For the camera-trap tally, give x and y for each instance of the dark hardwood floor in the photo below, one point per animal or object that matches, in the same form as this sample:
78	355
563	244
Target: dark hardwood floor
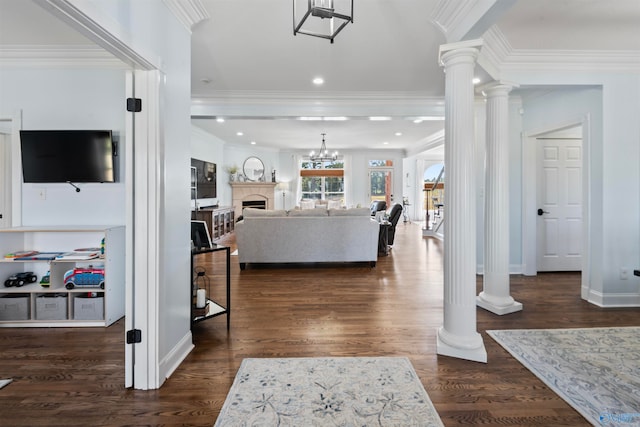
75	377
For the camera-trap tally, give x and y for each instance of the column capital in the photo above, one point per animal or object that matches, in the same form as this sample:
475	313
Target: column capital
497	88
469	48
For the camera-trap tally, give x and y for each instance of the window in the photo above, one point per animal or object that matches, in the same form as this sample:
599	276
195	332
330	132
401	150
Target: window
322	180
381	180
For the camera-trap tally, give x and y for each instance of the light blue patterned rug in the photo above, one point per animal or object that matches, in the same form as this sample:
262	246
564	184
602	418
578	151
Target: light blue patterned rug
343	391
596	370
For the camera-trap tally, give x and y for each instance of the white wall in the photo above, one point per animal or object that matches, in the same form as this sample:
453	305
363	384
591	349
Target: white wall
69	99
614	183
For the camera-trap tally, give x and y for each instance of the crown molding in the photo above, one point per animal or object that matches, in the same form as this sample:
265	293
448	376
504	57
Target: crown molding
571	61
495	50
288	97
68	56
287	104
498	57
188	12
449	14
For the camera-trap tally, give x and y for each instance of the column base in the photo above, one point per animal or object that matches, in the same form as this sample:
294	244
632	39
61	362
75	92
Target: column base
475	354
498	309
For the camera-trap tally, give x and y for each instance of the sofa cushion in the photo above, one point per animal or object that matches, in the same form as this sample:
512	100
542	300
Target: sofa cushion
350	212
307	204
308	212
257	213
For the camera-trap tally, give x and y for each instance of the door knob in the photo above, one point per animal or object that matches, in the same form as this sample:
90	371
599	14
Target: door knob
541	212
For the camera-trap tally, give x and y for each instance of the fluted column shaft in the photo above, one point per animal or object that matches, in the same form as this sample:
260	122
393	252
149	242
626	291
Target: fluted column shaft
495	296
458	336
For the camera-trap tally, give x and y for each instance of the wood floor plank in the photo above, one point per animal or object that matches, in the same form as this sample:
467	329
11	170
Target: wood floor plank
75	376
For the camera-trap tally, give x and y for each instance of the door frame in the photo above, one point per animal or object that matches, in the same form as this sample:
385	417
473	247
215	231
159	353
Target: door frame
384	169
13	175
529	195
142	235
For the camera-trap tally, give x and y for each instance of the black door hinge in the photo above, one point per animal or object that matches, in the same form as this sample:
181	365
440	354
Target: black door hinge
134	105
134	336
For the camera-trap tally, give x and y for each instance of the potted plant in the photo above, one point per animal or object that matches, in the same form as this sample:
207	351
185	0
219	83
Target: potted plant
232	171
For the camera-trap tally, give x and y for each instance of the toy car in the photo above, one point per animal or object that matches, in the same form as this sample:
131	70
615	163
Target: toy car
20	279
84	277
45	281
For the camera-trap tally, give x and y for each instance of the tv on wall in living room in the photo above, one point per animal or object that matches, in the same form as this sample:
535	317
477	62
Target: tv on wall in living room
76	156
205	179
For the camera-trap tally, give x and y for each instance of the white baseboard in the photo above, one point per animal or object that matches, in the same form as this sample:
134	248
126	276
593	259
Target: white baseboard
175	357
611	300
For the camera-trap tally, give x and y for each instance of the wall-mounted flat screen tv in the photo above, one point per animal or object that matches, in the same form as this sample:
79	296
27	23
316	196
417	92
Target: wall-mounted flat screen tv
205	179
68	156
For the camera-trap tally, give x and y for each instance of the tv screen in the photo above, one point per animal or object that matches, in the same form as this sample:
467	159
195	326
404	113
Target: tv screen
205	179
67	156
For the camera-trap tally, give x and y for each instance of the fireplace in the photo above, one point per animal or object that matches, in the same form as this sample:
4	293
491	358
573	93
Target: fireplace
256	204
252	194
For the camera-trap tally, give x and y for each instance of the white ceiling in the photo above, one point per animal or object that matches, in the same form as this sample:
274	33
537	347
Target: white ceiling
247	51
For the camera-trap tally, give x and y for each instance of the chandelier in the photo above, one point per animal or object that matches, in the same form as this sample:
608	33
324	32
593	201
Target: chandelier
319	28
323	155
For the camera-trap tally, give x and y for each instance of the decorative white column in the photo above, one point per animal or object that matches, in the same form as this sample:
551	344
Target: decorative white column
458	336
495	296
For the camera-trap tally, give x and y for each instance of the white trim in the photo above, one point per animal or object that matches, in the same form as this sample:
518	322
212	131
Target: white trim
498	57
612	300
12	173
170	363
107	33
188	12
68	56
529	202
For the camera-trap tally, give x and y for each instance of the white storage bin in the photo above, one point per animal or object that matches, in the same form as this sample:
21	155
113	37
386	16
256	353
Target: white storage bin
88	308
51	307
14	307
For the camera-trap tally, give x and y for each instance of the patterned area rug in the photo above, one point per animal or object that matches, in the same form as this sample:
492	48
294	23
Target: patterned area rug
596	370
344	391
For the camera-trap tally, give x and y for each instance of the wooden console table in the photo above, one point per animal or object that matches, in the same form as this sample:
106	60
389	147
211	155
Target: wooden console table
220	221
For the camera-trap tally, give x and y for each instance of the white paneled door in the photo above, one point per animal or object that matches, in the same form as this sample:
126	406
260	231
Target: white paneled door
559	207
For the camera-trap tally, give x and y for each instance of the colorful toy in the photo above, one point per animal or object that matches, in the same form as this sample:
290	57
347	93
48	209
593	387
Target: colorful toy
84	277
45	280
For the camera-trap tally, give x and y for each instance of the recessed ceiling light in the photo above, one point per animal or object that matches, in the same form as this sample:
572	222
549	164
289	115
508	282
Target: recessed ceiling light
239	133
253	143
398	133
318	81
379	118
476	80
386	143
220	119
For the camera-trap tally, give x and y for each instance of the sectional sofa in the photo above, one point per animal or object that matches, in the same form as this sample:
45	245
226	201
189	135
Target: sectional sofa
307	236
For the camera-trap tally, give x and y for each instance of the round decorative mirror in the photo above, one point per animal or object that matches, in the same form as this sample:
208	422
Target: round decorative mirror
253	169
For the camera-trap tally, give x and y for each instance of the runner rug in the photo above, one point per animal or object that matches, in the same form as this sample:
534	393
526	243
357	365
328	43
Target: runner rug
596	370
343	391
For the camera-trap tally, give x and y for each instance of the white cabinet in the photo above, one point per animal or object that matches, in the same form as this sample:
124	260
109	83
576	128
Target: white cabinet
34	305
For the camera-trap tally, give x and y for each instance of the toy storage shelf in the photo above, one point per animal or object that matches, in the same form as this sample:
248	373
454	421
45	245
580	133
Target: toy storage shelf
34	305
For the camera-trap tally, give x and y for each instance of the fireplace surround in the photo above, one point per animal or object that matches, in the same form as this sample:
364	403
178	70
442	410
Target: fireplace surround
252	192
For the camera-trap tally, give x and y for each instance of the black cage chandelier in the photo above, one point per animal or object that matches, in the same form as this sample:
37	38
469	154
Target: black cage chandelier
323	9
323	155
